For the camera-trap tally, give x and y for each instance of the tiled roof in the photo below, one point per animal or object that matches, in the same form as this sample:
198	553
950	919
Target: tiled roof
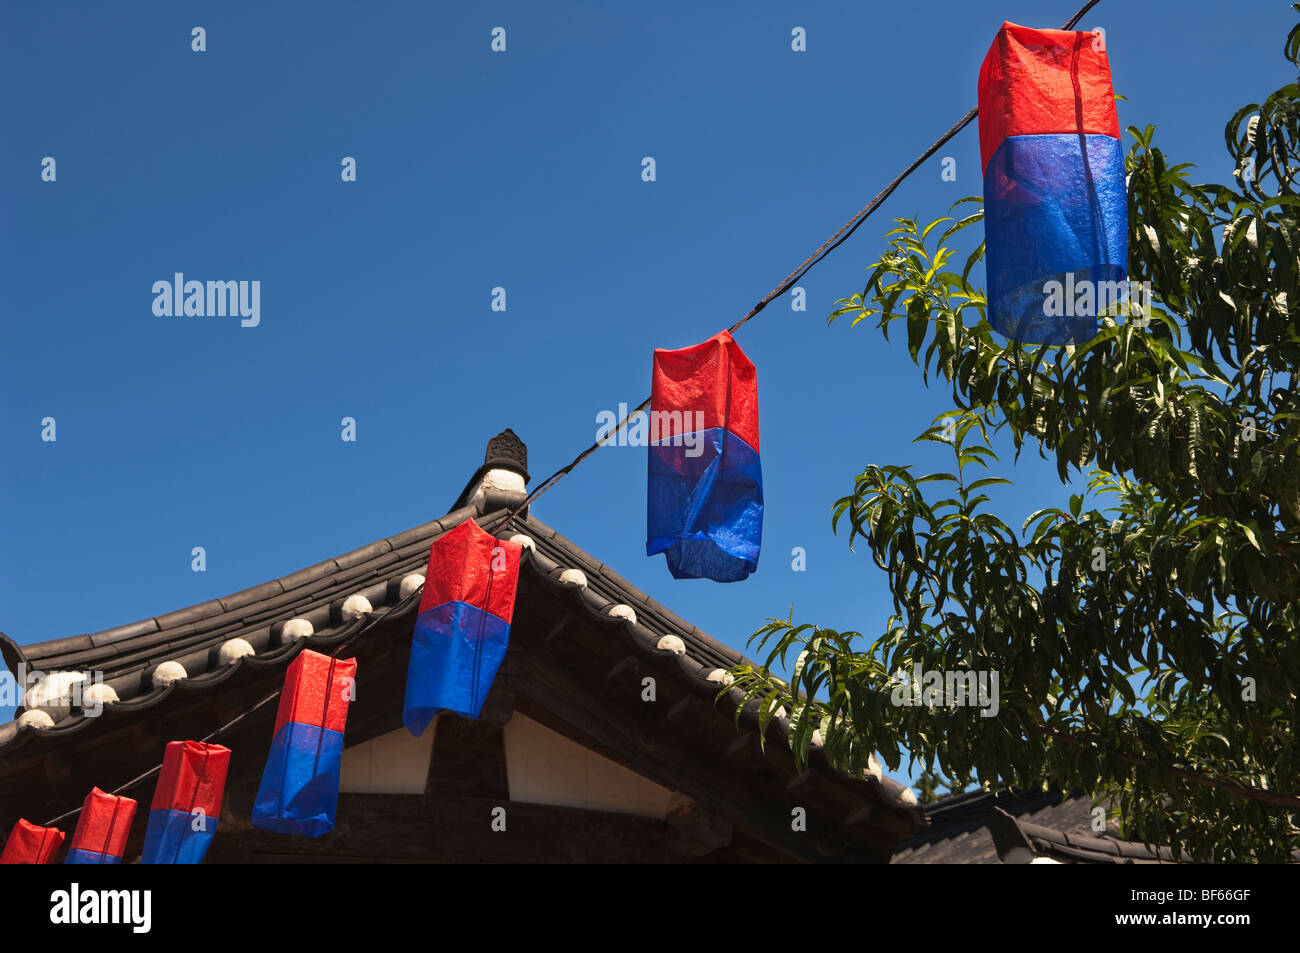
957	831
980	827
128	655
1070	847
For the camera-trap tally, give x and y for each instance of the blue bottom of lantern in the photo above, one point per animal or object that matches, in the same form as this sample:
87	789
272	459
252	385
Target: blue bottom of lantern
79	856
299	793
1055	210
705	509
171	838
455	655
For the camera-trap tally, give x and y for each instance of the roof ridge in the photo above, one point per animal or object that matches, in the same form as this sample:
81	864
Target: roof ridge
210	610
679	626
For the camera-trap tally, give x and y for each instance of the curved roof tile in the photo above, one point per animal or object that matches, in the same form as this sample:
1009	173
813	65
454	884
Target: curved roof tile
127	654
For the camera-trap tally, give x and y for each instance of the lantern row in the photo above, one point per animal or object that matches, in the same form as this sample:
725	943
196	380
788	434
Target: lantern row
1055	207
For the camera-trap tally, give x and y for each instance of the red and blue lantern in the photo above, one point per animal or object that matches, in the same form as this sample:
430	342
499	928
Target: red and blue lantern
102	829
1055	204
186	803
705	506
299	792
462	630
29	843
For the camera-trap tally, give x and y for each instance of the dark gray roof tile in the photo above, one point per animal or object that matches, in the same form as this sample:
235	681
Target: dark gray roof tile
965	829
115	634
253	596
180	617
304	576
426	531
363	555
128	654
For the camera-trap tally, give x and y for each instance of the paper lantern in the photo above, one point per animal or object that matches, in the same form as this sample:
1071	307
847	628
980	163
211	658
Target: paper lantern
299	791
30	844
102	829
463	627
1055	205
186	803
705	507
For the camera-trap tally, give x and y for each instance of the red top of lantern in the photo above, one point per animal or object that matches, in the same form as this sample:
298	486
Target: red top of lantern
468	564
193	776
104	824
30	843
714	377
314	691
1036	82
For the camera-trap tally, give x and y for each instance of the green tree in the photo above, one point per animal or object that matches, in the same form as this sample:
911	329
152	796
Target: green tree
1147	649
928	785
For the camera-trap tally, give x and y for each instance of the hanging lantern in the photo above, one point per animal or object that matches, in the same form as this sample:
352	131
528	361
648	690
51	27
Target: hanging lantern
705	509
299	792
30	844
102	829
463	627
1055	205
186	803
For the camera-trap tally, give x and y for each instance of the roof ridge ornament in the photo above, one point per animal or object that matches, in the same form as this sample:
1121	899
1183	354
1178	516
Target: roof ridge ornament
506	451
502	481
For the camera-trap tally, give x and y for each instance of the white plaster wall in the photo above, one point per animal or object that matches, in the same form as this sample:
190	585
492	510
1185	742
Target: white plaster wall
393	763
545	767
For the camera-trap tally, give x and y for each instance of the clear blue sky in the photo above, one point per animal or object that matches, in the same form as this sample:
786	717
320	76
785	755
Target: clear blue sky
475	170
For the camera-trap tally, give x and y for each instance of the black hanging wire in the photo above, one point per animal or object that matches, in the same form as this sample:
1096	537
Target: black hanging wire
832	243
482	630
359	627
194	796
